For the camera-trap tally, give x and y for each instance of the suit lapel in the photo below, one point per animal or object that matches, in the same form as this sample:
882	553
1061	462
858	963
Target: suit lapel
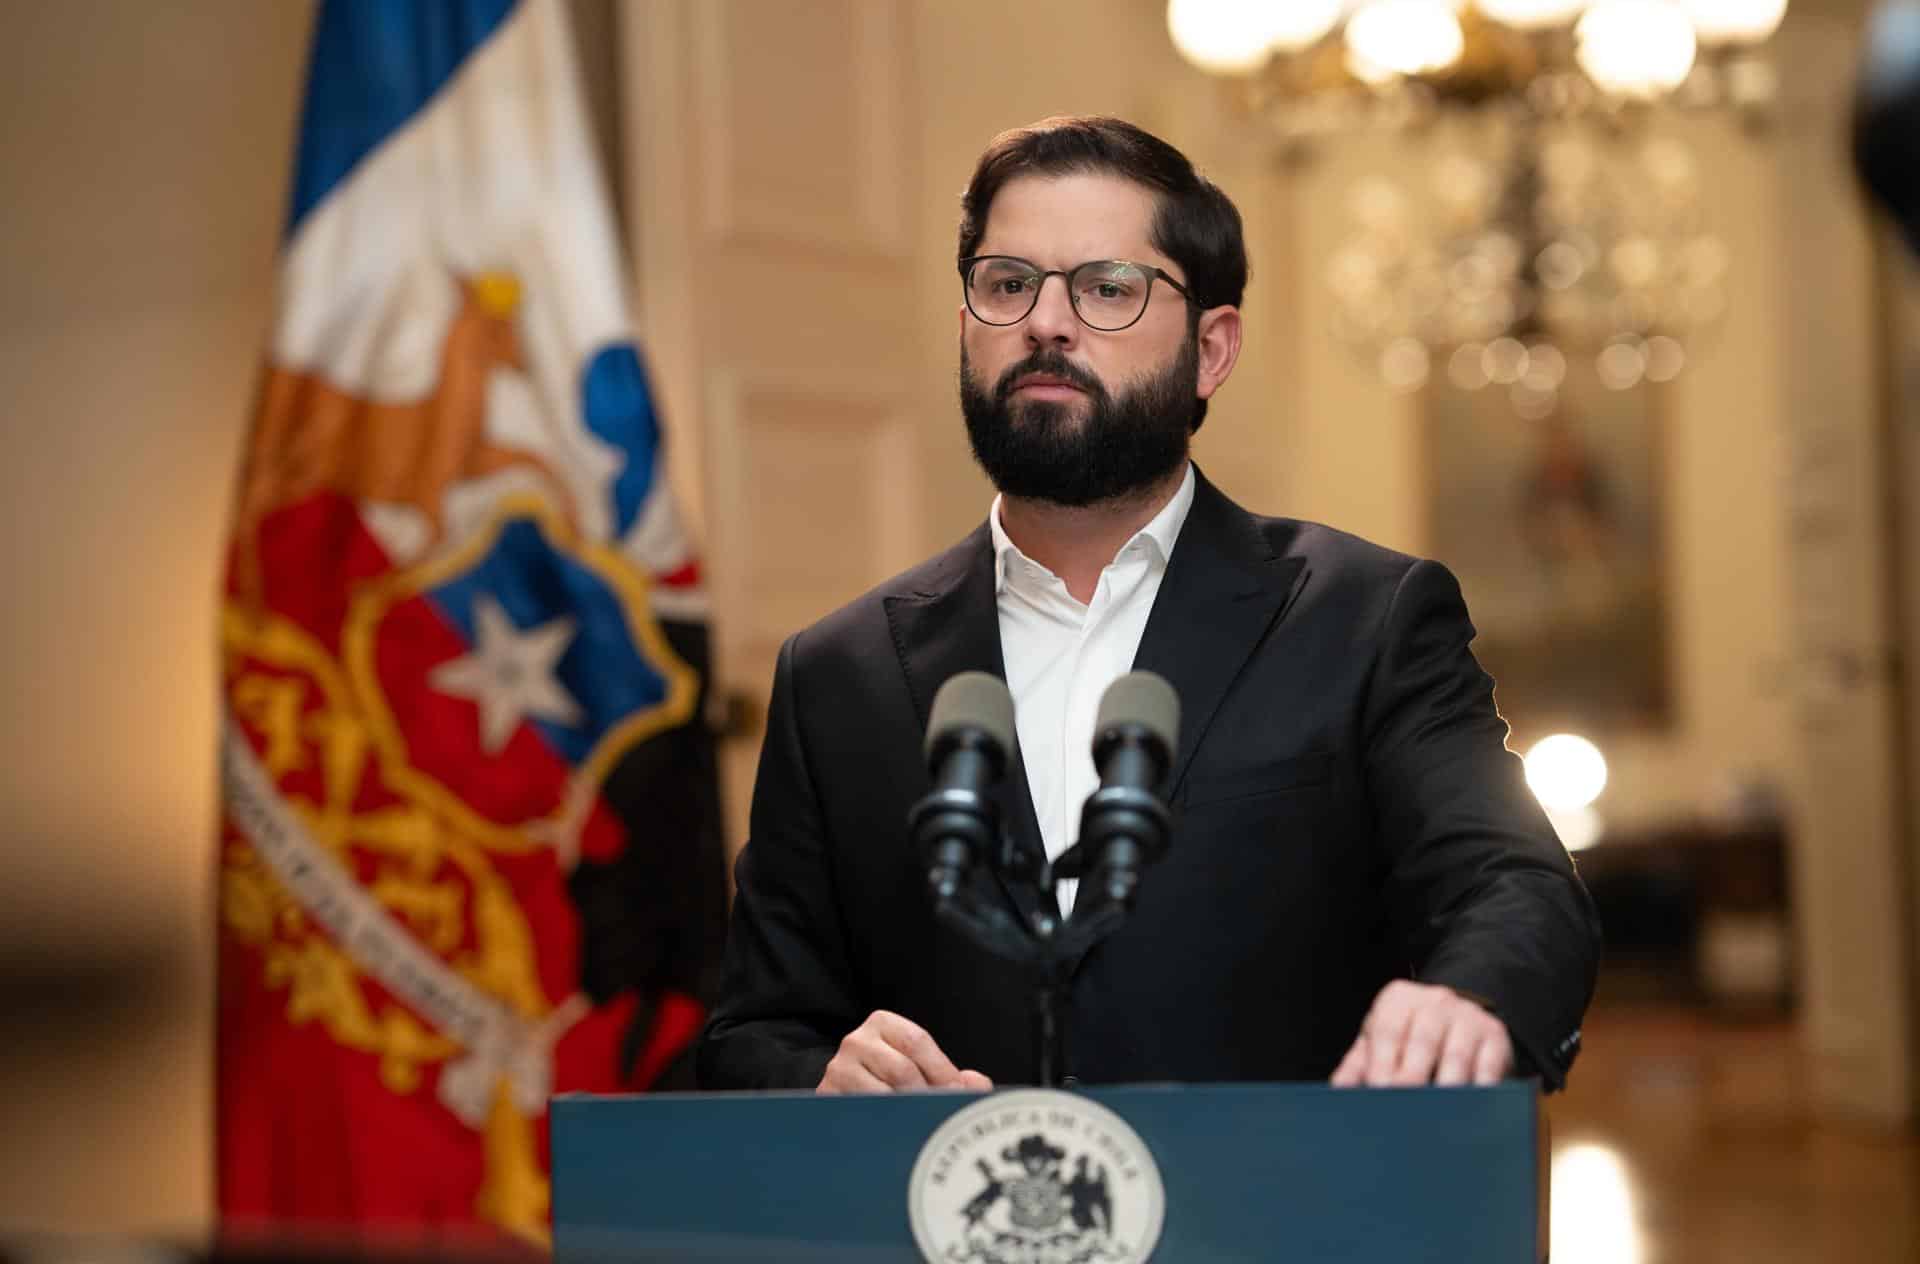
1224	590
951	625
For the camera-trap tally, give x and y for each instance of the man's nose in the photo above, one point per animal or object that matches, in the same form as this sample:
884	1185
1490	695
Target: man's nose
1052	320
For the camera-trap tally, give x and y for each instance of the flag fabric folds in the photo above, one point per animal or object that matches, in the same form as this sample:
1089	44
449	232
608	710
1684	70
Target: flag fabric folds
470	850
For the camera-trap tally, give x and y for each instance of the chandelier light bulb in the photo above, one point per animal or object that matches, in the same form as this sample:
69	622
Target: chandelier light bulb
1636	48
1467	366
1665	358
1532	15
1735	21
1405	363
1622	364
1296	24
1222	37
1386	38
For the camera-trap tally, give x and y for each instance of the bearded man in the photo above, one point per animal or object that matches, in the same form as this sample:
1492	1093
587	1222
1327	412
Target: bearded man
1360	887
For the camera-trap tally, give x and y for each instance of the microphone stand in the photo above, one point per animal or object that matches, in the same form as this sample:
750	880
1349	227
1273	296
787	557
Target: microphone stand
1059	951
1124	826
1047	947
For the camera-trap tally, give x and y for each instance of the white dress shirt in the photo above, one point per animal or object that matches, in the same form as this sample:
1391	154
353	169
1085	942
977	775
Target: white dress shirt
1061	656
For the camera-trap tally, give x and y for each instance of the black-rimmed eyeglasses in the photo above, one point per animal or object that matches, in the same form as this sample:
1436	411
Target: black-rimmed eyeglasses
1107	294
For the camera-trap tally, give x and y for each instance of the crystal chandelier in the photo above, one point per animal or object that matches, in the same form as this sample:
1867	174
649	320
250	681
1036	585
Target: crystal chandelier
1552	224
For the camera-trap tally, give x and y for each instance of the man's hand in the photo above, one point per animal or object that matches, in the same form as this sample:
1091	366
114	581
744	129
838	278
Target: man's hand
888	1054
1417	1033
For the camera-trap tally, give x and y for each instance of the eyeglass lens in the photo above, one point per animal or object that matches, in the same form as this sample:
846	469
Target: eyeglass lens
1107	293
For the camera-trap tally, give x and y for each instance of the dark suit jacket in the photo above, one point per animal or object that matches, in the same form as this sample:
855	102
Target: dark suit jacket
1346	813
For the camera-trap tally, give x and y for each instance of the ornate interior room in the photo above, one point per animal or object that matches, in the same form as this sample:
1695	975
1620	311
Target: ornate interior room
1584	301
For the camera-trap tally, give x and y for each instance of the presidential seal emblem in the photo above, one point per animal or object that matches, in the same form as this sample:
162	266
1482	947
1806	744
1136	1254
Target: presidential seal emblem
1036	1176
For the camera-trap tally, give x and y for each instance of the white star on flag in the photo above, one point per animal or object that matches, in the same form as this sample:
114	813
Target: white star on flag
509	674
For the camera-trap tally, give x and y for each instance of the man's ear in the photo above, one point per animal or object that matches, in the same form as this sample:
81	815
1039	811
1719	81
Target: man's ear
1218	338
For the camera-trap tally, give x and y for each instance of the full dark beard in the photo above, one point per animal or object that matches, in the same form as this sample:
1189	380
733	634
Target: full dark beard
1033	449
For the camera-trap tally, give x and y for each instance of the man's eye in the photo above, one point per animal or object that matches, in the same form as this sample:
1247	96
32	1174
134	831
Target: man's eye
1011	285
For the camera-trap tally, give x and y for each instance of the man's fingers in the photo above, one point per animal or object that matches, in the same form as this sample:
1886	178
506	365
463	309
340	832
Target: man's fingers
846	1075
1495	1058
1383	1056
933	1068
975	1082
1420	1051
888	1052
1416	1034
894	1068
1386	1032
1352	1069
1457	1055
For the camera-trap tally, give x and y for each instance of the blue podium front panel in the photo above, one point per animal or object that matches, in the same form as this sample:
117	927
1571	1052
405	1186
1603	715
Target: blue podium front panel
1269	1173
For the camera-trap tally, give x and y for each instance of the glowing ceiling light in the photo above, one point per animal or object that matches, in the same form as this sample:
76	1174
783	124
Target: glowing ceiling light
1221	36
1531	15
1566	773
1735	21
1297	24
1402	37
1636	48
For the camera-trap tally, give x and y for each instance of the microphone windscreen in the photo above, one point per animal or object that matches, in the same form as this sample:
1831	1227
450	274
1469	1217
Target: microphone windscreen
972	700
1143	699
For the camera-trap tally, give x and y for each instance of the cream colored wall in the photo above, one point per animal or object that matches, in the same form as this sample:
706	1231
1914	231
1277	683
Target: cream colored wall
1854	920
144	152
1901	274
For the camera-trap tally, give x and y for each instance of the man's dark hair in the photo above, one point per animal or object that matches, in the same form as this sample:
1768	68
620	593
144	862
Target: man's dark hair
1196	225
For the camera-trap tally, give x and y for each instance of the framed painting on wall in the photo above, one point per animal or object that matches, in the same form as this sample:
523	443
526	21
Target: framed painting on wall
1555	528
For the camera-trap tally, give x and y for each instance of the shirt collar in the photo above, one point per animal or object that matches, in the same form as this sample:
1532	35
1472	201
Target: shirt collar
1160	534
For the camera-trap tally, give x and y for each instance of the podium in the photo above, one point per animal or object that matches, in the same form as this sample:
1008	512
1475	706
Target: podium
1245	1172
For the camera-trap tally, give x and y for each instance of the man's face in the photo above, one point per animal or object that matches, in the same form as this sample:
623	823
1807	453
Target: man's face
1057	411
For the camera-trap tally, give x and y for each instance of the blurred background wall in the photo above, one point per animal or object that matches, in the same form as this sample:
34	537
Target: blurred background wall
145	152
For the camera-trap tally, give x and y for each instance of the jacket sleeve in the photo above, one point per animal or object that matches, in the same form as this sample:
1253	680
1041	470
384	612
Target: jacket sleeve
1485	898
786	993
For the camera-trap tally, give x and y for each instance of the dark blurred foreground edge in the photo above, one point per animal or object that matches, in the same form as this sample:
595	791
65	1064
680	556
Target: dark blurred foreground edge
1886	125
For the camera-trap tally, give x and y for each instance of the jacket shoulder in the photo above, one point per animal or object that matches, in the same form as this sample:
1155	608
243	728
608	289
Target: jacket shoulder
1335	555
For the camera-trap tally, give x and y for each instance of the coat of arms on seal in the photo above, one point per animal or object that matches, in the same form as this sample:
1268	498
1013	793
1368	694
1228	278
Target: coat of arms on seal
1036	1177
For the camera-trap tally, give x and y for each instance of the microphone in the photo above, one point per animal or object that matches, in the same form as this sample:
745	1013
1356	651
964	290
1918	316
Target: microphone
969	737
1124	825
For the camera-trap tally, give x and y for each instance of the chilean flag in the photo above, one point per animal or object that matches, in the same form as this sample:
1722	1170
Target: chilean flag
470	852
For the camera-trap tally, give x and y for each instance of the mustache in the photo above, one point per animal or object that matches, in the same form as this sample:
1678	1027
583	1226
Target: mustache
1055	364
